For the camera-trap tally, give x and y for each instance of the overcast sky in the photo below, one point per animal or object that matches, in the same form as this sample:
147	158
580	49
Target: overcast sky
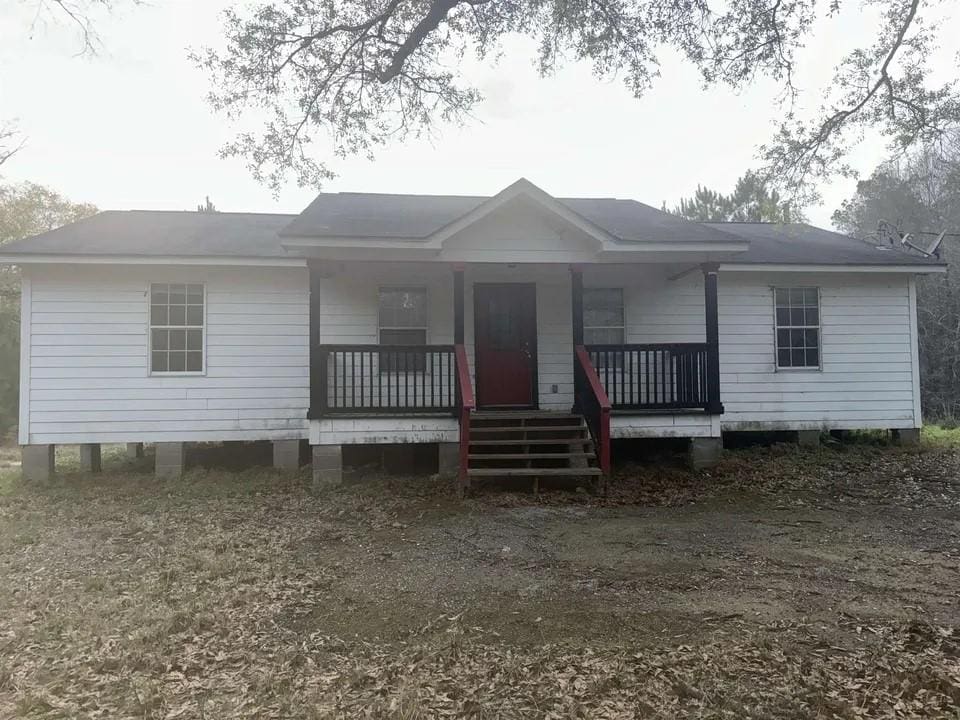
130	127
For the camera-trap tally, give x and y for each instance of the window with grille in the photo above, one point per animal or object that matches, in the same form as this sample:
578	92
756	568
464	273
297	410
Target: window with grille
176	327
603	323
797	327
603	316
403	321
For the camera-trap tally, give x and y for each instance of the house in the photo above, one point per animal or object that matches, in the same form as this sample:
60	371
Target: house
520	333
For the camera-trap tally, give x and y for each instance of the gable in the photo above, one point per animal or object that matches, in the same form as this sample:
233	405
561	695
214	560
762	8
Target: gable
523	230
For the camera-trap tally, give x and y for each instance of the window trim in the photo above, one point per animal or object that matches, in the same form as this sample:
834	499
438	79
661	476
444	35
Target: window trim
150	327
818	327
426	327
623	308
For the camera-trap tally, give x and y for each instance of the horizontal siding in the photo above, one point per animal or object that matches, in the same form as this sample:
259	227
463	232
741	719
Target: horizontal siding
866	376
866	380
89	375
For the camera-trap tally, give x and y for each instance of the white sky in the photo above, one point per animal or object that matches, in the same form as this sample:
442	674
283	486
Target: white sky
130	128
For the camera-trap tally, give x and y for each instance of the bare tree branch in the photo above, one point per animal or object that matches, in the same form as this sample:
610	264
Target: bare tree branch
360	73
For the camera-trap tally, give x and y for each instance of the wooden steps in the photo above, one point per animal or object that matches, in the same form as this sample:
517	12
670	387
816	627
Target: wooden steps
530	444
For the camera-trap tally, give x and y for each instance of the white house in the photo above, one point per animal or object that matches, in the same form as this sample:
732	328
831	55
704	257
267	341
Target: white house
519	332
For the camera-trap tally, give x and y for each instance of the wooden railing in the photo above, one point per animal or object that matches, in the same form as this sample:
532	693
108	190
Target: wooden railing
383	380
654	377
465	406
591	401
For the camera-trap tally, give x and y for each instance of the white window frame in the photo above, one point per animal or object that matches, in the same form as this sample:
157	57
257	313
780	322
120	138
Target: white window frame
151	327
818	327
623	307
426	319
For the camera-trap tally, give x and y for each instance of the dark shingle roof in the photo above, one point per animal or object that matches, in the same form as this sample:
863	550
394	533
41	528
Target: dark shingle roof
371	215
177	234
802	244
153	233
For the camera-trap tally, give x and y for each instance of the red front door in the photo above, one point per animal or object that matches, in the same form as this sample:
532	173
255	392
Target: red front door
505	323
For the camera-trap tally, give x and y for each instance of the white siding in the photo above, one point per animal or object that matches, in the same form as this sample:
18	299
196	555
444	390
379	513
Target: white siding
867	378
89	380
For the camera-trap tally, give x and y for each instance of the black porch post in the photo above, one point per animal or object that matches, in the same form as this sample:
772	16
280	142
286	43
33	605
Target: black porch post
576	305
714	406
458	333
318	360
576	297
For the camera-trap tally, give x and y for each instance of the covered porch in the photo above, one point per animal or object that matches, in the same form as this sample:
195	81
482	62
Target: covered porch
465	354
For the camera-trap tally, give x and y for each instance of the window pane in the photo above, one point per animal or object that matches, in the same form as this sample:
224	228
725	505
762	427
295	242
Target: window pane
812	316
797	358
810	297
194	362
783	338
195	294
813	358
178	315
158	339
796	338
783	358
178	294
195	315
158	315
158	362
796	316
158	294
603	336
178	361
782	297
602	307
811	339
178	339
194	339
403	337
403	307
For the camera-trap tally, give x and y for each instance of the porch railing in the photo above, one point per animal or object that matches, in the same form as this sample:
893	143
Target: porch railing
383	379
670	376
465	407
591	400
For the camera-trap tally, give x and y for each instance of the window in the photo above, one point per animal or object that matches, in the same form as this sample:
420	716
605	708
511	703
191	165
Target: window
798	327
603	316
176	328
403	321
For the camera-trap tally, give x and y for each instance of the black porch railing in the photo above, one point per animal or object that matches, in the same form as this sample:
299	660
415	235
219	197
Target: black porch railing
671	376
383	380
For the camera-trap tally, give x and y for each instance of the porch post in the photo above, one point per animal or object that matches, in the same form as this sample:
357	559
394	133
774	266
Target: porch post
318	360
458	333
576	317
576	298
710	271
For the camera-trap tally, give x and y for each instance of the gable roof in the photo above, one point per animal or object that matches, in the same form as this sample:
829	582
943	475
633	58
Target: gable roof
154	235
803	244
161	233
418	217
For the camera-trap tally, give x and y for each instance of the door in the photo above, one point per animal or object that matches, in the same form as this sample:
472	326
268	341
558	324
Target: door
505	333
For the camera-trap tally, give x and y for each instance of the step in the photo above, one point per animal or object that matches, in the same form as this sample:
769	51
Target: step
531	456
534	472
536	441
527	428
521	415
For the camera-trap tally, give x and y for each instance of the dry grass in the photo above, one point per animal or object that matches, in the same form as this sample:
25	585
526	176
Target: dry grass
785	584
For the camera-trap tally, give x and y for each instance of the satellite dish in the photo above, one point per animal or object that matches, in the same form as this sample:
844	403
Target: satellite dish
930	250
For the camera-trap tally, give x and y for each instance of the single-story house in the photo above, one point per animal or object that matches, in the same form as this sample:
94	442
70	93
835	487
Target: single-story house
520	333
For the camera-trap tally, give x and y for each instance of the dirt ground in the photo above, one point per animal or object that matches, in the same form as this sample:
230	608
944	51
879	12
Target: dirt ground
785	583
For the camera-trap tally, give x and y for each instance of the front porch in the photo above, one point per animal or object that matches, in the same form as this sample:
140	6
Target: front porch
518	354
